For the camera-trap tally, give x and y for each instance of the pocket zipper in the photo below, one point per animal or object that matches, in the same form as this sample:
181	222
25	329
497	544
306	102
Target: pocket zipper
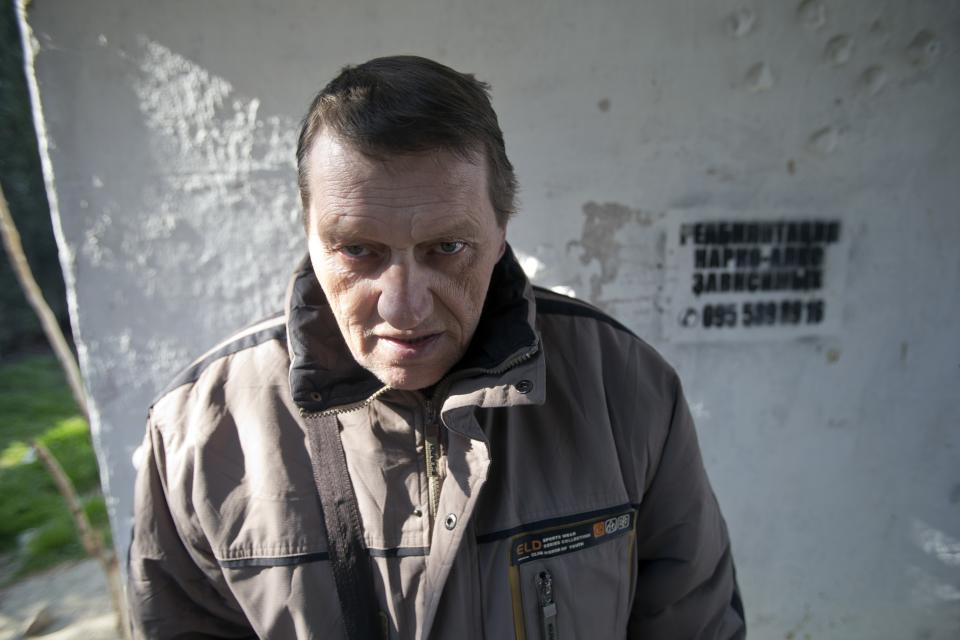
548	606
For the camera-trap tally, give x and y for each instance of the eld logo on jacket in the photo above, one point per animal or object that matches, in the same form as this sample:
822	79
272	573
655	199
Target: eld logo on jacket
565	538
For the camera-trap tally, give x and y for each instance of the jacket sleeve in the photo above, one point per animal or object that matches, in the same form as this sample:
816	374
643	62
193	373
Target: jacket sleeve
170	595
686	581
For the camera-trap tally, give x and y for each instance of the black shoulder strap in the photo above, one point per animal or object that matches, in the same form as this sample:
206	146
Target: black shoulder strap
345	544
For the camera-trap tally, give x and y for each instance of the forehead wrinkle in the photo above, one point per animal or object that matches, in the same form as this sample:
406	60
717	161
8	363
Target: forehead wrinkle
367	191
346	224
351	166
330	153
443	225
370	203
442	191
412	204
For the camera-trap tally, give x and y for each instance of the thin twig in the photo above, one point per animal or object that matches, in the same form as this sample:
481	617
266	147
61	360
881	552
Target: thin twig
90	538
18	260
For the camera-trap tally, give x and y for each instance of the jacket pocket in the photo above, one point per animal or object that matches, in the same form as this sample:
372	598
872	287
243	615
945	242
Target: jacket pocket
574	580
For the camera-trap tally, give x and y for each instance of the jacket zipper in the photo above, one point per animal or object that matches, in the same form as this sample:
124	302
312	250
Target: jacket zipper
548	606
346	408
431	442
431	430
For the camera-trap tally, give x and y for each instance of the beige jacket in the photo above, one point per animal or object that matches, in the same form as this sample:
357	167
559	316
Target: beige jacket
552	485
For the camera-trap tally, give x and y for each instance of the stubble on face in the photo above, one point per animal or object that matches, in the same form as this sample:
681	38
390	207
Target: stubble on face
403	248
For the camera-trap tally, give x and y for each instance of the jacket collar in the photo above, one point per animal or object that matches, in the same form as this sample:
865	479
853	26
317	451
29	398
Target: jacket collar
324	375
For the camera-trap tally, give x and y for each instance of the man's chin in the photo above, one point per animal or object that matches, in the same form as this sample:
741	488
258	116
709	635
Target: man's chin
408	378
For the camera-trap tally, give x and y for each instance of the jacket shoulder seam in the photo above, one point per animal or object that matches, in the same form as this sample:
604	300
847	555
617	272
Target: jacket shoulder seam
271	328
550	303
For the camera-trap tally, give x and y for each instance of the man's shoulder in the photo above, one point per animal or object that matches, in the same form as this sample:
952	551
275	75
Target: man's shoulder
551	303
572	323
251	351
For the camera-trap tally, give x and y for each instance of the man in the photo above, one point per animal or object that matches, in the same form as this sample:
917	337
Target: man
423	444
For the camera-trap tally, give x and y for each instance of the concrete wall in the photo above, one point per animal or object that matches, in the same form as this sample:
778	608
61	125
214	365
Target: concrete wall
170	134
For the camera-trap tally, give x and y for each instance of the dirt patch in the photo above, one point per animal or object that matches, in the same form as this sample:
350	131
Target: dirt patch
76	600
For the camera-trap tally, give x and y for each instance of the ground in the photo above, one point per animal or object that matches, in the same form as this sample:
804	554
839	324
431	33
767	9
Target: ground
75	596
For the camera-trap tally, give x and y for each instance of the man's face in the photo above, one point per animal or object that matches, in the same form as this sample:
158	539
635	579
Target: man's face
403	249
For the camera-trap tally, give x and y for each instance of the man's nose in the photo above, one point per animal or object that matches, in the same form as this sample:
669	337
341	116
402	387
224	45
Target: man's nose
405	299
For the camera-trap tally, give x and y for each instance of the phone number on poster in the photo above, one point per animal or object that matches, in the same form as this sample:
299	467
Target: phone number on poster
756	314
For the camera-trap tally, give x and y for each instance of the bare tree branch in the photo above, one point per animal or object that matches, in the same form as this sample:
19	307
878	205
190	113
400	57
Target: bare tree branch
18	260
90	537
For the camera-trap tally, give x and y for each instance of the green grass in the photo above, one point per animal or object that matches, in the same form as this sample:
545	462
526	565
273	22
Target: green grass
36	528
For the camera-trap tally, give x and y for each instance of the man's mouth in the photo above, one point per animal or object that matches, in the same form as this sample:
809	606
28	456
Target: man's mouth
416	340
410	345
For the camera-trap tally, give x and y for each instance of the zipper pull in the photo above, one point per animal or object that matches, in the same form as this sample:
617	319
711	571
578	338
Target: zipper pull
548	607
432	451
431	447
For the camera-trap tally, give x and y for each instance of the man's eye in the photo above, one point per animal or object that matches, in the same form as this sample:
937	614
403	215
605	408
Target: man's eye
450	248
355	251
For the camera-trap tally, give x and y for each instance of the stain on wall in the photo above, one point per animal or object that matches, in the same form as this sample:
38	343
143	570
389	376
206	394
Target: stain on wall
874	79
839	50
812	14
824	141
759	77
605	228
741	22
924	50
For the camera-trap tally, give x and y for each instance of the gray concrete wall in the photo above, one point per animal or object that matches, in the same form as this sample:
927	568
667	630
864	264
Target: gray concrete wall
170	135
